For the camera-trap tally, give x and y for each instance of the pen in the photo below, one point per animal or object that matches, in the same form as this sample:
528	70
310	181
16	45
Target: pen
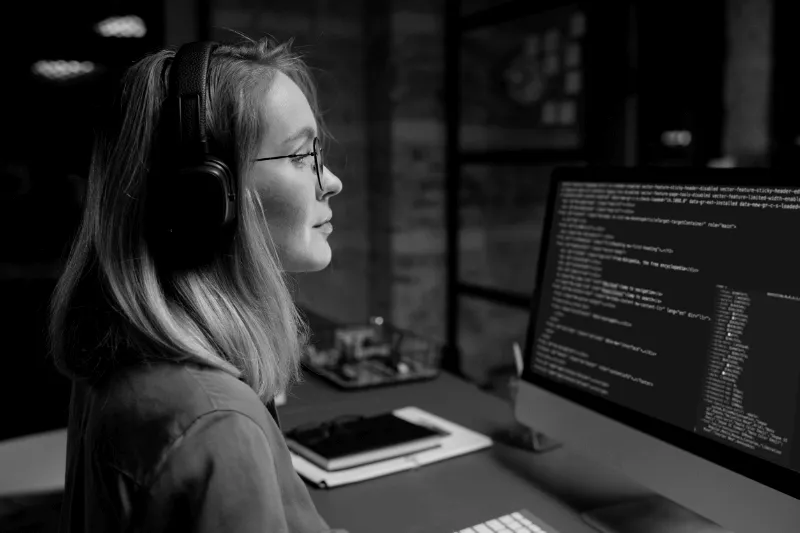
517	358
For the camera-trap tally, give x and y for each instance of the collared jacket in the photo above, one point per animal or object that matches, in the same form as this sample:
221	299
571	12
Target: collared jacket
167	447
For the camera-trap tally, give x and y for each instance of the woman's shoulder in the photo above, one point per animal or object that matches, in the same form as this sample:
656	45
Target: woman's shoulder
181	392
147	408
187	389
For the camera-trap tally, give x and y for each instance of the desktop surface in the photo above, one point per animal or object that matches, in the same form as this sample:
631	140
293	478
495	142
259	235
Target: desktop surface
459	492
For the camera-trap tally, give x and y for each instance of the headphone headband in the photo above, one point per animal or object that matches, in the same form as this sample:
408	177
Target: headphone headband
188	82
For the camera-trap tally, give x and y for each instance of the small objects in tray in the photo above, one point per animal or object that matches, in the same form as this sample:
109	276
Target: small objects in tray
371	355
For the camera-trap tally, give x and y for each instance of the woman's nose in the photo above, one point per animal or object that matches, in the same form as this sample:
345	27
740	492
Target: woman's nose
331	183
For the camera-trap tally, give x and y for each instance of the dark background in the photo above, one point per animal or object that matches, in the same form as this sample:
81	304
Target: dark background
441	234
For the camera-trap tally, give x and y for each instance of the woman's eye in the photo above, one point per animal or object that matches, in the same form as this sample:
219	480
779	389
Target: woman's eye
299	160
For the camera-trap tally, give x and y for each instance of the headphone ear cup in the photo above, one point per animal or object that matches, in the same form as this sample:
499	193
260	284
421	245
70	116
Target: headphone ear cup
192	214
220	172
204	197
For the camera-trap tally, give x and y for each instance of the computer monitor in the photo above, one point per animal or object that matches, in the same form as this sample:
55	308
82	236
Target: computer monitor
664	337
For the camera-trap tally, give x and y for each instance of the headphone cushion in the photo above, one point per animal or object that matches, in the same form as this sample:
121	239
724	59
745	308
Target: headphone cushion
202	196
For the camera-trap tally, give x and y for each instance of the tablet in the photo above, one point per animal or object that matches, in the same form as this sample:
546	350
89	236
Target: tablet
340	444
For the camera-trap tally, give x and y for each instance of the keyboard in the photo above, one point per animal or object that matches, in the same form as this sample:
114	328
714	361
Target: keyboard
522	521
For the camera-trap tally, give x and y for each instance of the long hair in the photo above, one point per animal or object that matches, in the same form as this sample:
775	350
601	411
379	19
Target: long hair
114	302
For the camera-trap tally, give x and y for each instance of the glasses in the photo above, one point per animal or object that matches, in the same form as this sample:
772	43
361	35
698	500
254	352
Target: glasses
317	153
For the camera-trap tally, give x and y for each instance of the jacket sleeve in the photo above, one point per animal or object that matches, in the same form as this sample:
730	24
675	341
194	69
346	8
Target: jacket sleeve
220	476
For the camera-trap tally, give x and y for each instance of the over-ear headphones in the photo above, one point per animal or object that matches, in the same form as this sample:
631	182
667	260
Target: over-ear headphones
202	186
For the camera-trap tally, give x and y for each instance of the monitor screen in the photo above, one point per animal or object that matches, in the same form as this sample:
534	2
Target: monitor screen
671	303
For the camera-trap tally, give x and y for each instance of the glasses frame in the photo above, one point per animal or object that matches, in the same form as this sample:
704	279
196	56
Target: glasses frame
317	153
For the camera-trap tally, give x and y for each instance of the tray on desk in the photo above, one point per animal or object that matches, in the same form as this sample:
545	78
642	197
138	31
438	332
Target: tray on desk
369	375
374	355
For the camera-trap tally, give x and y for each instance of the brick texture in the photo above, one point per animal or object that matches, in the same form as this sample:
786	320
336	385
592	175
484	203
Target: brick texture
748	73
418	224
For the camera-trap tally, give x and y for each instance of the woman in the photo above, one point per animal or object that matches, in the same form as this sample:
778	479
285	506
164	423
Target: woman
176	326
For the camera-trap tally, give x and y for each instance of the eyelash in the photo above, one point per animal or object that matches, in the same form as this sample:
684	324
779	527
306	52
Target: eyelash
298	160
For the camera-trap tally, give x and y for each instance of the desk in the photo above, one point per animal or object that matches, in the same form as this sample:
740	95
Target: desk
458	492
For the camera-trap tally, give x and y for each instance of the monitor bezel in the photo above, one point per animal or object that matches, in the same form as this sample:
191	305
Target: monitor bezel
759	470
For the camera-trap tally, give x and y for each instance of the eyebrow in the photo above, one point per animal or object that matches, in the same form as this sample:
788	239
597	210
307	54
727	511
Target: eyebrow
306	132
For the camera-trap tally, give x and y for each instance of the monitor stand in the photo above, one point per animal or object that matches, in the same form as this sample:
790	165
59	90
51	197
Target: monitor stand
654	514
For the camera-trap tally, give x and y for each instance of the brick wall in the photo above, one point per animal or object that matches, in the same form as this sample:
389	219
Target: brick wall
418	224
748	73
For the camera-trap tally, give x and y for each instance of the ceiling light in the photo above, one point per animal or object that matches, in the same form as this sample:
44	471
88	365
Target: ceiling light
676	138
62	70
125	27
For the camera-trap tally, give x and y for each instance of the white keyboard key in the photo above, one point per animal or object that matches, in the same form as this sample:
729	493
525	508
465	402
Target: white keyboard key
495	525
510	523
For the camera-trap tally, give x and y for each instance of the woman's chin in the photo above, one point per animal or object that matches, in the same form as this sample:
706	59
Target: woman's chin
314	260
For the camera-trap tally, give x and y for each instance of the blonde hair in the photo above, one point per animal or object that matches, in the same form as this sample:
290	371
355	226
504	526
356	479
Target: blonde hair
115	303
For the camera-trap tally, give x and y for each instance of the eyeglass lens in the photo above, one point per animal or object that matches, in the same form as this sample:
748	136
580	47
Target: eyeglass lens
318	164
